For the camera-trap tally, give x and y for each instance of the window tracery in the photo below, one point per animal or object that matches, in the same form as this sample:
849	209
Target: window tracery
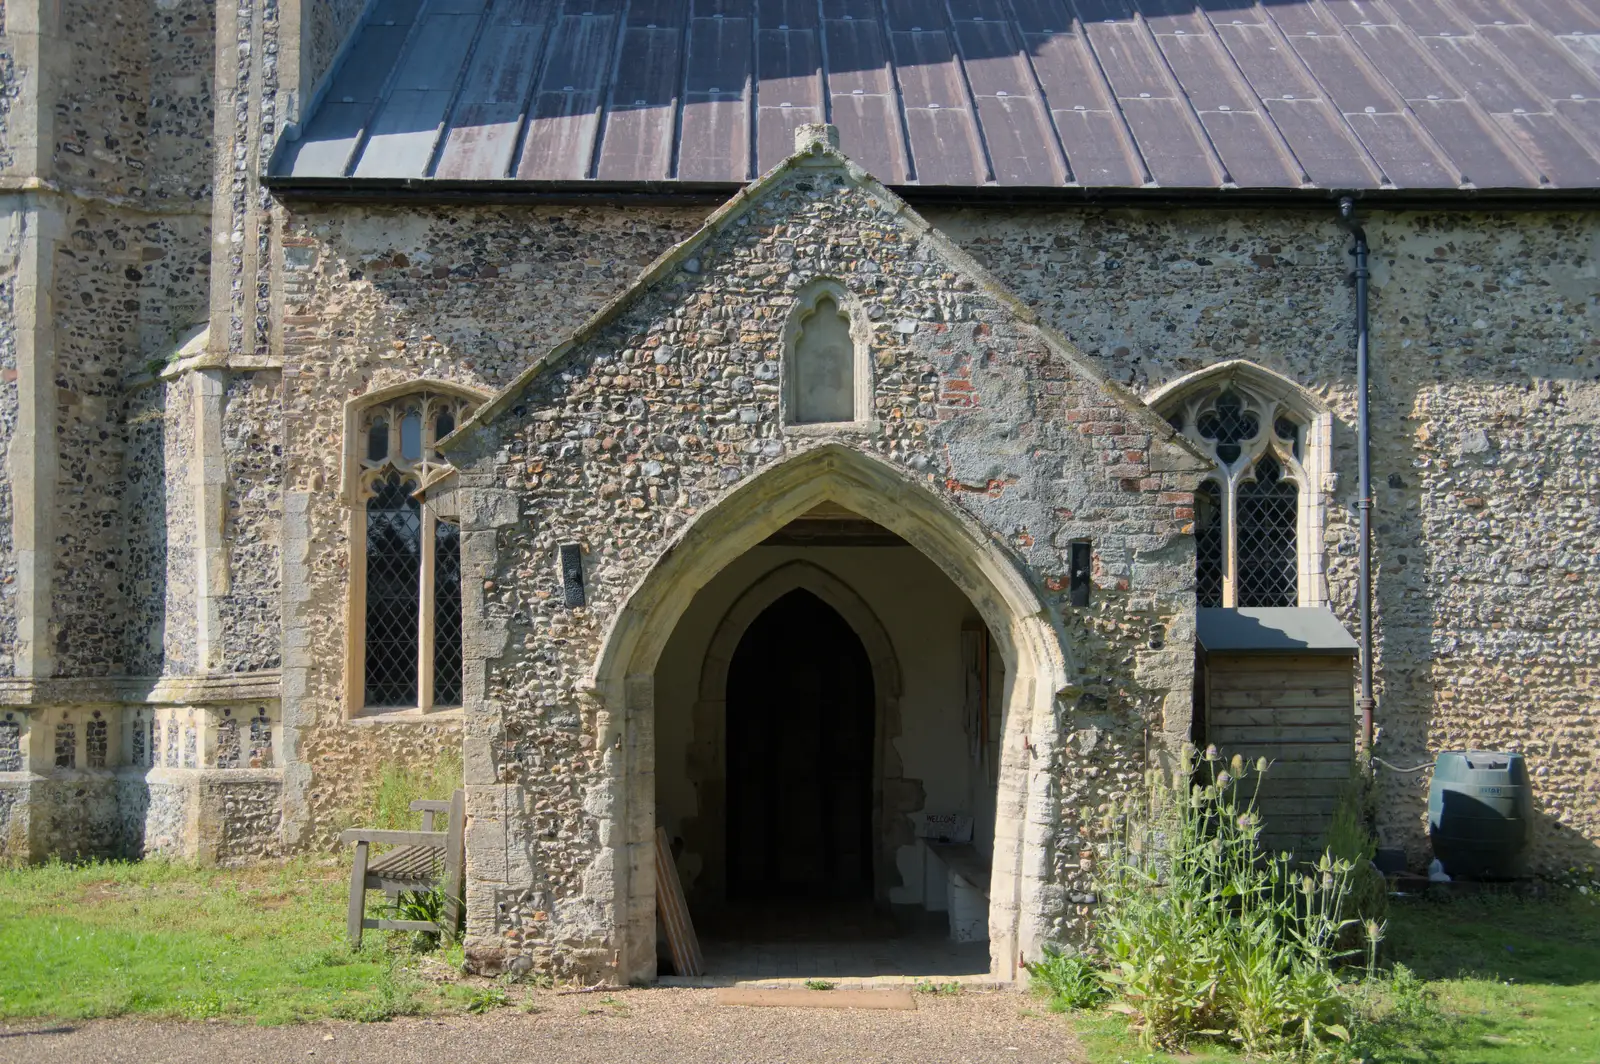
409	593
1256	515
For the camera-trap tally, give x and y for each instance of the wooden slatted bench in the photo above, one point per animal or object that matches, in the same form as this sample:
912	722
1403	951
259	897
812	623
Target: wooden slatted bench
420	861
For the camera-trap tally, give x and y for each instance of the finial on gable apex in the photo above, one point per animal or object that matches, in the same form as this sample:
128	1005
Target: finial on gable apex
813	138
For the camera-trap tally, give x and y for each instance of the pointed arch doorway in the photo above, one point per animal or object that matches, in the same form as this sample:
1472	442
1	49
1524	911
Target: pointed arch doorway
800	738
1027	637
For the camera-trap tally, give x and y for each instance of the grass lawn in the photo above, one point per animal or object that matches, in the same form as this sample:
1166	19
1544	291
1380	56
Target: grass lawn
174	940
1498	980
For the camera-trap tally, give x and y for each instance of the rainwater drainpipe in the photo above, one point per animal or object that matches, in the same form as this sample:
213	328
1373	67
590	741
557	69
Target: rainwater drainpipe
1347	218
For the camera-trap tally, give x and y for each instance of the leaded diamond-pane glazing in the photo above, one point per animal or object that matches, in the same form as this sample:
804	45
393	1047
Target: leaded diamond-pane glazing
394	589
1265	537
1208	544
447	614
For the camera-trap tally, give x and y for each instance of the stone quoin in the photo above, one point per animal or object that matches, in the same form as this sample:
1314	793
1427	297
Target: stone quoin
809	444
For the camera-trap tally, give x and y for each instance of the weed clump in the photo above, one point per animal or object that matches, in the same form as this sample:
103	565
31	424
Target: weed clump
1069	980
1203	935
488	999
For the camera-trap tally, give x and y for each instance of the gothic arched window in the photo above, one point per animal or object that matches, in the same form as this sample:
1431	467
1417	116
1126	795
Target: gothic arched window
1259	515
407	585
823	373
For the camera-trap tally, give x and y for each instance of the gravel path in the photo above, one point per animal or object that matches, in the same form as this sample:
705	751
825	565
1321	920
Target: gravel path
659	1026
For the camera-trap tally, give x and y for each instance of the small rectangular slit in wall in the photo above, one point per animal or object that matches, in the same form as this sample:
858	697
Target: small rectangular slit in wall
1079	566
572	574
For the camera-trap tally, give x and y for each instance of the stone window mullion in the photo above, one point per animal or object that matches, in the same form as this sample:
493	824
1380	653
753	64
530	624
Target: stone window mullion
1230	540
425	614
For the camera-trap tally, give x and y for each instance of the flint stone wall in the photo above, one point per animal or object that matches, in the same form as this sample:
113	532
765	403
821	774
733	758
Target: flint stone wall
252	444
1485	361
242	812
74	815
326	24
374	298
154	575
1485	414
664	411
155	811
14	810
10	248
10	90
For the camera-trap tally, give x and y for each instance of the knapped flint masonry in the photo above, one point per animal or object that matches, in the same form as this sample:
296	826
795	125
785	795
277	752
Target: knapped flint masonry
385	382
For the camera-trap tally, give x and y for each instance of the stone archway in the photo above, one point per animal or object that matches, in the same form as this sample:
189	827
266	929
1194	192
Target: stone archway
891	827
1028	636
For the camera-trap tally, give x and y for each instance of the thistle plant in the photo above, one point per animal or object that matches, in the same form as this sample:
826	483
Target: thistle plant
1205	934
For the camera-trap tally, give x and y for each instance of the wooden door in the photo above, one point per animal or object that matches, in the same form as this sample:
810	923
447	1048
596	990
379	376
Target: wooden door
800	752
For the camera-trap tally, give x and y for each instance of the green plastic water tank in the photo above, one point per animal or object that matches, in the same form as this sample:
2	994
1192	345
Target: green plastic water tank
1480	810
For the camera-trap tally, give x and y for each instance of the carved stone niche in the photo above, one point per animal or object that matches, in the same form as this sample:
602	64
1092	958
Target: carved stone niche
826	368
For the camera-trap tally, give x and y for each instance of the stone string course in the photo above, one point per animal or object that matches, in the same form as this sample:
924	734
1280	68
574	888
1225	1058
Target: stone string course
1485	407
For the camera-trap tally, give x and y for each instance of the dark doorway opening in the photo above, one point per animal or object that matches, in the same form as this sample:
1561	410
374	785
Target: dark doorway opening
800	733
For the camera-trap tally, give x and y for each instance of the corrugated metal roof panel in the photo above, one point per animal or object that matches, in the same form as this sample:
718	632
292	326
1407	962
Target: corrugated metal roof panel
1471	145
402	137
1346	94
1245	143
1097	149
1399	148
560	137
715	138
1550	147
1340	70
870	133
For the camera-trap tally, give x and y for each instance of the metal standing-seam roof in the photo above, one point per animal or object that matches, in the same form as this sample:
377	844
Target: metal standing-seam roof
1120	94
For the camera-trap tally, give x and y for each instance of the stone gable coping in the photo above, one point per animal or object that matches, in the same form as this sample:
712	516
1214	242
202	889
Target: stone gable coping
817	149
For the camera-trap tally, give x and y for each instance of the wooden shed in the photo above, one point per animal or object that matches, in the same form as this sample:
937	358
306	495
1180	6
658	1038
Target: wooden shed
1279	683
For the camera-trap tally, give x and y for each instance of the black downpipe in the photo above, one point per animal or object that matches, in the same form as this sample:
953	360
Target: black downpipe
1347	218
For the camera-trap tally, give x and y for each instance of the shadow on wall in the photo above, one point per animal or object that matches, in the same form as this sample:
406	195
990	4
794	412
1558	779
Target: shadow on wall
1403	610
144	517
1486	579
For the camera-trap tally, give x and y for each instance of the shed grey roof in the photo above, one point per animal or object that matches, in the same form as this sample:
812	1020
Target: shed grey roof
1272	629
1115	94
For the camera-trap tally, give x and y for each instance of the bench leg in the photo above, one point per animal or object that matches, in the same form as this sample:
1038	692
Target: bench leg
358	894
455	859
